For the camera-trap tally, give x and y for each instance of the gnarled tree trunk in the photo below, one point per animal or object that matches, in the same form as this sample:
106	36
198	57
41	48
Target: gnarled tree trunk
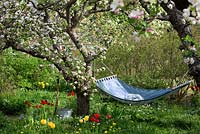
177	20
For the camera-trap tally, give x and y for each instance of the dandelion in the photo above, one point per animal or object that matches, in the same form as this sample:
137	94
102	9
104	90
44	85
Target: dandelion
51	125
43	121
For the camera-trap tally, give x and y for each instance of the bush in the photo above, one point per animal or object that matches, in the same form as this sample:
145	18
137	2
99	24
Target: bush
11	105
19	70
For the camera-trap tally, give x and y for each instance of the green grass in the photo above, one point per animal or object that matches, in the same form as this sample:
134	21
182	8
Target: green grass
156	118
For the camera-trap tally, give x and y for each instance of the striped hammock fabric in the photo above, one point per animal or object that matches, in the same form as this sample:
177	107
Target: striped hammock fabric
123	92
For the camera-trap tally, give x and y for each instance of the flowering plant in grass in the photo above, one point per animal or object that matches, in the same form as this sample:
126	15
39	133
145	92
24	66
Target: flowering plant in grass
39	110
50	123
95	118
85	119
43	122
72	93
45	102
41	84
42	102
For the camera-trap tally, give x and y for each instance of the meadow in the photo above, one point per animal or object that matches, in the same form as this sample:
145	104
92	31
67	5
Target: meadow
29	91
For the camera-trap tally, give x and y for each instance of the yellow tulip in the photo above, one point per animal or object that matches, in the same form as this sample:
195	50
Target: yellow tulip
43	121
81	120
86	118
51	125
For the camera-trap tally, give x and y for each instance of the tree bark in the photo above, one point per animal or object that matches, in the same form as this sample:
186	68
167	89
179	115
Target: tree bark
83	96
82	103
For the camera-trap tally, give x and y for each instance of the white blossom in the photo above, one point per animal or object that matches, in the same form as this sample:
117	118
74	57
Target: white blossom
170	6
165	1
186	12
192	48
85	94
136	14
136	37
189	60
115	4
84	88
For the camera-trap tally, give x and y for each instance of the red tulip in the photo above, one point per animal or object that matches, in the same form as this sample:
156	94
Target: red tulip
43	102
28	104
50	104
97	120
72	93
93	119
69	94
38	106
97	116
108	116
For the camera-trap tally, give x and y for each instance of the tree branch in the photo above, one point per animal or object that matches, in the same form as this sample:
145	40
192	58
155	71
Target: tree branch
96	10
67	9
73	37
93	57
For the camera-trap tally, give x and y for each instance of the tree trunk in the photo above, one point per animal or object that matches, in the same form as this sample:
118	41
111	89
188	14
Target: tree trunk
177	20
83	104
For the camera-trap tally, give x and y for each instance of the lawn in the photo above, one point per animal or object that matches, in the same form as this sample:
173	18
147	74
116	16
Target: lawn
32	112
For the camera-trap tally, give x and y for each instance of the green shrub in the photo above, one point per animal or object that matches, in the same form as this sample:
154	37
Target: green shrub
11	105
19	70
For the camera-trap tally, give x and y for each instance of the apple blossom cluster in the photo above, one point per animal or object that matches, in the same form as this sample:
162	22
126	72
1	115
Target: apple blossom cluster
189	60
136	14
192	13
116	4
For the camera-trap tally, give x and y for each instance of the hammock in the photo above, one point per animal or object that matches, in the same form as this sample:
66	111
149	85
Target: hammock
125	93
